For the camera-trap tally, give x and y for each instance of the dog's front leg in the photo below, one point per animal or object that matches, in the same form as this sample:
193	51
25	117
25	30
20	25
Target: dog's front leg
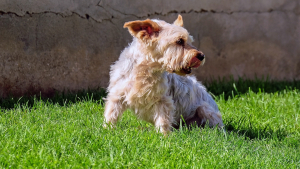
164	115
113	111
163	124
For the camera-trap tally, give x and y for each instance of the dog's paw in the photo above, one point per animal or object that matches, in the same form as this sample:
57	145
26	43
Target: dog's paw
108	125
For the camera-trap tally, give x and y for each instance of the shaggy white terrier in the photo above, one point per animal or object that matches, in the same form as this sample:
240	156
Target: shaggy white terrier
150	78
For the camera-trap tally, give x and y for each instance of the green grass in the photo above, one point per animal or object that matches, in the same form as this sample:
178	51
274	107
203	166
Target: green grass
263	131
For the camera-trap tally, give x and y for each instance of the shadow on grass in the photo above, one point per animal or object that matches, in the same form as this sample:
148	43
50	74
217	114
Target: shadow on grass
62	99
252	133
230	87
262	134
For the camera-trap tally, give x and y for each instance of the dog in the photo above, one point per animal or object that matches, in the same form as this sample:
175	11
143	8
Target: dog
151	78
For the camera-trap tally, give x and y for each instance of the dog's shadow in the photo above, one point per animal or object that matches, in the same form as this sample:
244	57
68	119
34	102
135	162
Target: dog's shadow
253	133
266	133
250	133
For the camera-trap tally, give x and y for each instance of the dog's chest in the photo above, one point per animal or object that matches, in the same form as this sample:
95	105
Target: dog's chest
147	90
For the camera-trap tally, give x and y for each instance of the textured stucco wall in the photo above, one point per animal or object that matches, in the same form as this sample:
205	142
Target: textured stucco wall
54	45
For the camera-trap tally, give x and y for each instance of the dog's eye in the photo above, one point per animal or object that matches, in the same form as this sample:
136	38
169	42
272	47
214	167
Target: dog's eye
180	42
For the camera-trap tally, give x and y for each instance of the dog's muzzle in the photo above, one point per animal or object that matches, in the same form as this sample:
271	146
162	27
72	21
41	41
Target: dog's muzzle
195	62
200	56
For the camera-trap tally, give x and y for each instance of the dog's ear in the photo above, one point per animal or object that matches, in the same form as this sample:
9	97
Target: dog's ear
179	21
142	29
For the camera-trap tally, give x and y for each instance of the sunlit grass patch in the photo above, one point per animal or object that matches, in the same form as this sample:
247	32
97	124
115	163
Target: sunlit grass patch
66	132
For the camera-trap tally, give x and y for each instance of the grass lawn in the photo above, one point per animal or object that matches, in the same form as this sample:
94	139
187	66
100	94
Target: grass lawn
263	131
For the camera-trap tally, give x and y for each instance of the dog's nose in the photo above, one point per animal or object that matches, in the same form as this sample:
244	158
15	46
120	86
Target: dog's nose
200	56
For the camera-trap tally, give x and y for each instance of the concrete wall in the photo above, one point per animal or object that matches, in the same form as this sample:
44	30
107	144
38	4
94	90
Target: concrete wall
54	45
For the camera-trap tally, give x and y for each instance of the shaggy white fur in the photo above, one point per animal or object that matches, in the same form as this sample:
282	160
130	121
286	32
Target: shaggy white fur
151	78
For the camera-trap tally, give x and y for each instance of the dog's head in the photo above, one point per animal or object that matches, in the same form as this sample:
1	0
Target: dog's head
167	44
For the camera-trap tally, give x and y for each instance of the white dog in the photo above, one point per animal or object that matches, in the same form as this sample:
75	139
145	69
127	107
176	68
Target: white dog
150	78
